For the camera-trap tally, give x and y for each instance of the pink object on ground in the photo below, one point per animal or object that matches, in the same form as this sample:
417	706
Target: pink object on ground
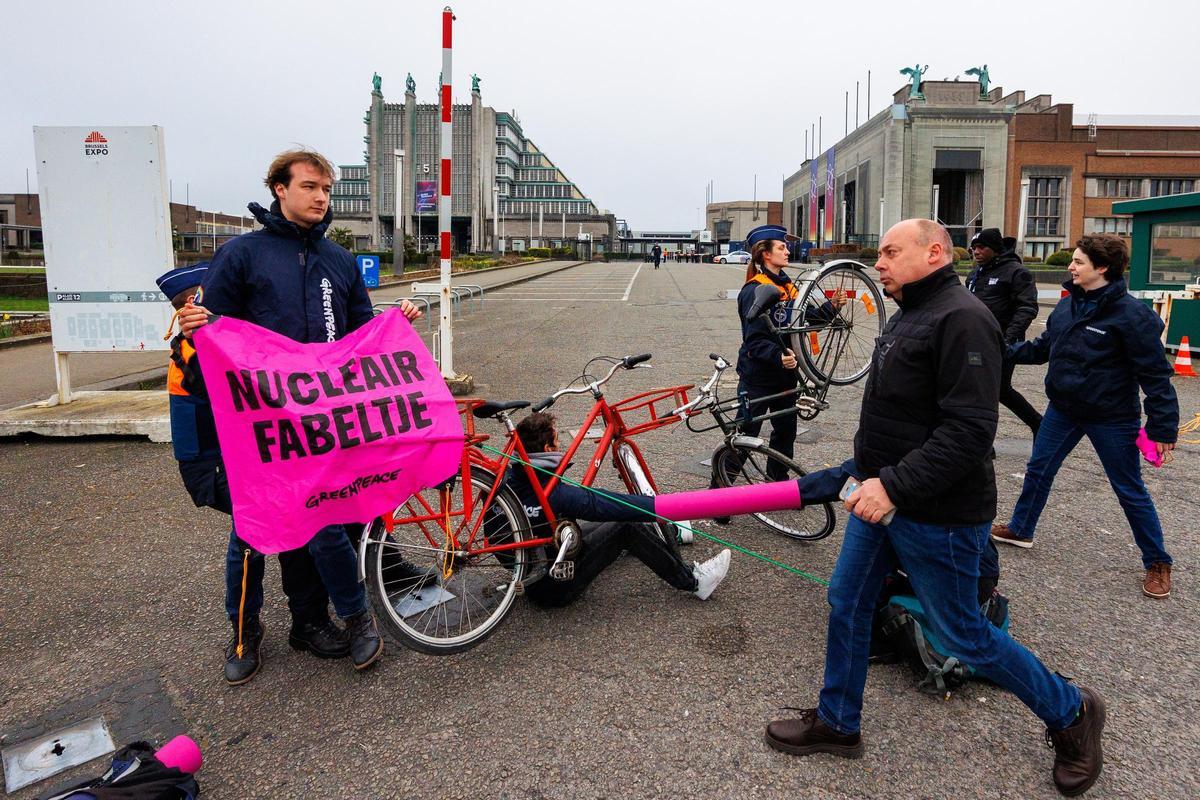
182	752
1149	449
728	502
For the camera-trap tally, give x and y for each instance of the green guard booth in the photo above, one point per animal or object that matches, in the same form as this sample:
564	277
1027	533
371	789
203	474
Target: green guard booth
1164	266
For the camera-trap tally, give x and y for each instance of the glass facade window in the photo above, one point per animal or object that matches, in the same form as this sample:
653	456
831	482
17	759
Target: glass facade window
1165	186
1122	226
1175	252
1118	187
1043	212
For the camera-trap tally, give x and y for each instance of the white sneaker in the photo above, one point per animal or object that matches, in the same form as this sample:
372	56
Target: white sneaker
710	574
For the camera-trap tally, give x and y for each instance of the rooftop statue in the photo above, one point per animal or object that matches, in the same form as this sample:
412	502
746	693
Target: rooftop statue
984	79
474	83
914	92
410	85
376	84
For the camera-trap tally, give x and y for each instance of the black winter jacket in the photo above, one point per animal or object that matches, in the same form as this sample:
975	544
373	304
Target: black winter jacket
1006	287
288	279
1101	346
929	414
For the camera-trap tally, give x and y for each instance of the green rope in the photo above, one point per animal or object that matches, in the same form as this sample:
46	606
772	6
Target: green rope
615	499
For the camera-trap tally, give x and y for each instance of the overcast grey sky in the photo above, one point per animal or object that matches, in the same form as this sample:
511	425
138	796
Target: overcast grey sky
640	103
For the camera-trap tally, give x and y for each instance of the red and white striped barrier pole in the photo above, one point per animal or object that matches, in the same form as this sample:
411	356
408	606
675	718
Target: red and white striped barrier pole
446	308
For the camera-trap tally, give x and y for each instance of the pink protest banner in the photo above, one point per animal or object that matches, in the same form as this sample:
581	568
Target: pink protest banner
319	434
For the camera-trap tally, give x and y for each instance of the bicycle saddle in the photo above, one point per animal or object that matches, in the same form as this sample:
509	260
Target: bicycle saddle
493	407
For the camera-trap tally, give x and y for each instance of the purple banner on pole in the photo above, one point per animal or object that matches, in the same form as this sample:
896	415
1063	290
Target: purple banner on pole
426	200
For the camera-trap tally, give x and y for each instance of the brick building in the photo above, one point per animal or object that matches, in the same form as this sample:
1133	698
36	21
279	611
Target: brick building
730	221
1077	168
197	231
961	153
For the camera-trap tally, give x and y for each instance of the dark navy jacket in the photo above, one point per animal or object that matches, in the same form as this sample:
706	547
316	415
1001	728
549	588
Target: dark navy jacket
759	362
1101	345
287	279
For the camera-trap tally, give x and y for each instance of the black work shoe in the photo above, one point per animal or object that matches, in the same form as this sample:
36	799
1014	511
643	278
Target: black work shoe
321	638
241	666
1078	751
809	734
365	645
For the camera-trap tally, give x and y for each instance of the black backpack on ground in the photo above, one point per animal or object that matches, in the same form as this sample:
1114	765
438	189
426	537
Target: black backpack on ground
135	774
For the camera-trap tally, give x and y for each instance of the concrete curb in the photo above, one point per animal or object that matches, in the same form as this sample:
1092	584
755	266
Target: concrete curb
429	273
19	341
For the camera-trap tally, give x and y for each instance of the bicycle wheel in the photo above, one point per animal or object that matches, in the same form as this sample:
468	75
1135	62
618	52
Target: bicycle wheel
638	482
744	464
838	347
441	604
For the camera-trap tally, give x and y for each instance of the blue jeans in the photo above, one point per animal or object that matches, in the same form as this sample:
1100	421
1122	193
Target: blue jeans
336	565
943	566
1114	443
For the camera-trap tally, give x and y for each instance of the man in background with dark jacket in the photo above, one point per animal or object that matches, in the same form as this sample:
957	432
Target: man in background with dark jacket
924	450
1006	287
288	278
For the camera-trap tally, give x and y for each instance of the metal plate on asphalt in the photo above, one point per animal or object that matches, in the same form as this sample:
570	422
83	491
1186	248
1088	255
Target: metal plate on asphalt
423	600
37	759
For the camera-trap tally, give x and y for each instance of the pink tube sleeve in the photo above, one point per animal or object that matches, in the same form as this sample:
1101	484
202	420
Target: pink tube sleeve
728	502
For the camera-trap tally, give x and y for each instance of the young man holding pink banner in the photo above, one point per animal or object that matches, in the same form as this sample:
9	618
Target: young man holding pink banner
288	278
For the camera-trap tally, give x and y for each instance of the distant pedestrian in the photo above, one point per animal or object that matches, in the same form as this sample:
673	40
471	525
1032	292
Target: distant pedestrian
656	254
924	451
1102	345
1006	287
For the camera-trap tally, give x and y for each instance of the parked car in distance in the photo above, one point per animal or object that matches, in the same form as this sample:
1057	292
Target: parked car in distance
736	257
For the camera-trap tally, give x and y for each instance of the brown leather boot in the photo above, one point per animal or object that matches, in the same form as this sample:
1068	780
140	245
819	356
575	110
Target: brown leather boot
1157	582
1078	751
809	734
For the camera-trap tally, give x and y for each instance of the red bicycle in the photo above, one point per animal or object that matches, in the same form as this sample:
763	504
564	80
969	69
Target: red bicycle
445	567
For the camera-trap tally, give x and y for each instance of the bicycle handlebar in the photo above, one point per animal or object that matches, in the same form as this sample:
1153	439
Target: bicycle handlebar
628	362
704	393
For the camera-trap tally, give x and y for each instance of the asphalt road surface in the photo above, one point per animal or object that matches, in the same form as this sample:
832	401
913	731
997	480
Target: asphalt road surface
111	590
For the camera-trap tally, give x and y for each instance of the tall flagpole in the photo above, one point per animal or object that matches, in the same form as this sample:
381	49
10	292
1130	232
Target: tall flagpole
446	330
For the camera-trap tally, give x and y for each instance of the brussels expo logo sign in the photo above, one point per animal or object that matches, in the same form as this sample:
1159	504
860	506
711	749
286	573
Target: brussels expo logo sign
94	144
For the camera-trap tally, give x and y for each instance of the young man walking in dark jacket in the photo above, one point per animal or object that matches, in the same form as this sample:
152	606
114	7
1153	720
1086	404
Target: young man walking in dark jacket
288	278
924	450
1005	286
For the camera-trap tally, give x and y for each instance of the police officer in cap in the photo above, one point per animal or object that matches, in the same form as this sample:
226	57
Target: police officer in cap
765	366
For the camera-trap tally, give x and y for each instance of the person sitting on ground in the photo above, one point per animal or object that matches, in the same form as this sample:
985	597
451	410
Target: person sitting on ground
623	527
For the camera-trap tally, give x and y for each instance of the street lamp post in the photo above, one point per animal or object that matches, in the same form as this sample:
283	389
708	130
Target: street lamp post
398	213
495	219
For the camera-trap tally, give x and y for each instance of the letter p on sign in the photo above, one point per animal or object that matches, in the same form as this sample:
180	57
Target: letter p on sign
369	267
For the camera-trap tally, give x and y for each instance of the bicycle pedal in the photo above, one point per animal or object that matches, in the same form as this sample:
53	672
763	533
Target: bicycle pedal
563	571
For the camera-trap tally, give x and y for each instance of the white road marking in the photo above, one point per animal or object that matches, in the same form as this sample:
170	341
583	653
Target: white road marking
631	280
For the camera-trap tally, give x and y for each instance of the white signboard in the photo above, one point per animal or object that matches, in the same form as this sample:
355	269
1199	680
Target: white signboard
106	228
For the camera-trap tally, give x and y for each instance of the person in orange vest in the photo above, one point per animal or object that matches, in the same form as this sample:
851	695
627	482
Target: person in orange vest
766	367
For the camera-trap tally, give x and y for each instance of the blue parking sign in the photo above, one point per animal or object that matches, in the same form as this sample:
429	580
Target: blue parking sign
369	267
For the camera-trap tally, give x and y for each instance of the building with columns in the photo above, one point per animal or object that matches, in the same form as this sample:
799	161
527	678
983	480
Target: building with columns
973	157
506	192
